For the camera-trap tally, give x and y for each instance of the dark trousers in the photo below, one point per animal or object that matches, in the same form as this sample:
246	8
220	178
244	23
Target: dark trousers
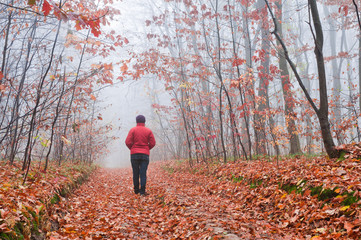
140	165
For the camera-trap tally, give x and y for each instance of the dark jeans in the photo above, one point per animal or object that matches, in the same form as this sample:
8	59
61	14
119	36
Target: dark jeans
140	165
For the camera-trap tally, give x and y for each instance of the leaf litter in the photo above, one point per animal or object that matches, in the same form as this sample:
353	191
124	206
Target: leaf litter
299	198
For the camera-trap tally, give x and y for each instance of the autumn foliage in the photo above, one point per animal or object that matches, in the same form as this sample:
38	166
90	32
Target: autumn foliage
48	88
26	210
286	198
229	75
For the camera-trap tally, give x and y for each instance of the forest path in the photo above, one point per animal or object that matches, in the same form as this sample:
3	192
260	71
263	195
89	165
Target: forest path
179	206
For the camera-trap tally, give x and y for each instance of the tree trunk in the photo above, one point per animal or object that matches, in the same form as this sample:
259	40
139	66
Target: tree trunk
323	110
287	93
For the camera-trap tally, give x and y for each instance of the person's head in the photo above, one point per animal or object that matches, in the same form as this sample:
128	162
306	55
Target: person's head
140	119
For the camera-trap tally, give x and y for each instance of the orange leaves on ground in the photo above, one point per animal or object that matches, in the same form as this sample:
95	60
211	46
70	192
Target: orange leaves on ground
285	196
351	151
28	203
244	200
106	207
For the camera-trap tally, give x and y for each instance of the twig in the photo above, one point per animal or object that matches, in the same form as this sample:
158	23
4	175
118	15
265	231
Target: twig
358	16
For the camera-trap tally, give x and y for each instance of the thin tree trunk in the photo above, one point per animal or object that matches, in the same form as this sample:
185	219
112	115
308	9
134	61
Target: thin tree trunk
287	94
61	147
57	113
28	149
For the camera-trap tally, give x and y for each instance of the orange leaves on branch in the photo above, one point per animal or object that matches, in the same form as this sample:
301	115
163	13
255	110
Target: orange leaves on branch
2	86
245	2
237	62
124	68
108	66
83	22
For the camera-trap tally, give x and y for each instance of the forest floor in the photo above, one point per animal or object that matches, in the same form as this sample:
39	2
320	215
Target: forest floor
289	198
295	198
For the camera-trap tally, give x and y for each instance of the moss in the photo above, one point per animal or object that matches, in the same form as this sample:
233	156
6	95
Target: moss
168	169
63	192
255	183
237	179
315	190
289	188
342	156
350	199
324	194
55	199
16	234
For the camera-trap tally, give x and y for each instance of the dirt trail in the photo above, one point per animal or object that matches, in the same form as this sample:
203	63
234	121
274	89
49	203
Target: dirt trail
179	206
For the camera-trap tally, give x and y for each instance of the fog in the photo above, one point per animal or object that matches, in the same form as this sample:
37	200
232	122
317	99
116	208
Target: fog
123	101
126	101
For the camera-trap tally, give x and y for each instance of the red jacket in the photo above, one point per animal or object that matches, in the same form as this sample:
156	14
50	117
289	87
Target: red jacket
140	139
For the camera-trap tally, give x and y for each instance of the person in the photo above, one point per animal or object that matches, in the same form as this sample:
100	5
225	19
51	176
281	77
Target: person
140	141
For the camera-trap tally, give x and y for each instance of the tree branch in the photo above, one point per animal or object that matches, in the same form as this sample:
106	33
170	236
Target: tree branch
21	8
358	15
290	62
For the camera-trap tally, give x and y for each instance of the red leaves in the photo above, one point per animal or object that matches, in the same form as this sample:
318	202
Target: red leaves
46	8
2	86
82	21
343	9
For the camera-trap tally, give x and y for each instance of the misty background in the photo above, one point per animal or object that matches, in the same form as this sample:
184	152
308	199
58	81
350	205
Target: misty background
123	101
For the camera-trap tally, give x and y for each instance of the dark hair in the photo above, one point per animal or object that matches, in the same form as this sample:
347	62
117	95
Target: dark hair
140	119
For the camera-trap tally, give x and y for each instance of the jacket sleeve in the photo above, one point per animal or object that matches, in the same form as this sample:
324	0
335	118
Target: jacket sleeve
129	141
151	140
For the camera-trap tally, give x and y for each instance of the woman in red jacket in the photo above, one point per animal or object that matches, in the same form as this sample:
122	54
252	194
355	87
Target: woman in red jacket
140	140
